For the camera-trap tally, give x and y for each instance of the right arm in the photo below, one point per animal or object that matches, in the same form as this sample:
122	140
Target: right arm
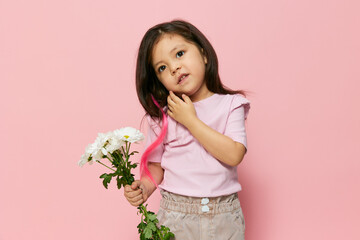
141	190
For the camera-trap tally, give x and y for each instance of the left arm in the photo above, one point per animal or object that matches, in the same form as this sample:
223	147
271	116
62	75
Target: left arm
218	145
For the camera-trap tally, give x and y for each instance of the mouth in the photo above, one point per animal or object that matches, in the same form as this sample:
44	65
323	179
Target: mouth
182	77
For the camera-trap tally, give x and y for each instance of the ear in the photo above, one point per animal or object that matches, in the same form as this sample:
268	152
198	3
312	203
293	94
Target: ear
205	59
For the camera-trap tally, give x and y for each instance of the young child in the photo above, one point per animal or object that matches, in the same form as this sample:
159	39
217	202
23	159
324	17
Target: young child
196	164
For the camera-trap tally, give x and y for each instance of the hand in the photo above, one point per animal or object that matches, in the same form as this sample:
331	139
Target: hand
182	111
136	194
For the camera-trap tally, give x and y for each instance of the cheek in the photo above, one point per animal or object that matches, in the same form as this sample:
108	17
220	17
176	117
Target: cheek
164	82
199	65
200	69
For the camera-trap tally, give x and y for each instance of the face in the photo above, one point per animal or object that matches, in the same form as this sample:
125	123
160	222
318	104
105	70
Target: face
180	67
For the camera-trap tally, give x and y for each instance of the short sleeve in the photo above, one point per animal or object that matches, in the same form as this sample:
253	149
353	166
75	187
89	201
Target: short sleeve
238	112
153	132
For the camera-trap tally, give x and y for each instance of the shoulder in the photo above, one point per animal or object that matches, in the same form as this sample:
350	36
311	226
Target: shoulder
154	123
232	99
239	99
236	101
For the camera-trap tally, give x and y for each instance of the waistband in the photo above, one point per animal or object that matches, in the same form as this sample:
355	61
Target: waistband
197	205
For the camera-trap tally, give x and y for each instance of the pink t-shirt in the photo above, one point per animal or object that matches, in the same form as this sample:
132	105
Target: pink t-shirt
188	168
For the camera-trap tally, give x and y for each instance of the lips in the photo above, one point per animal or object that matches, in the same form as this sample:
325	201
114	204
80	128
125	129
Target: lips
182	77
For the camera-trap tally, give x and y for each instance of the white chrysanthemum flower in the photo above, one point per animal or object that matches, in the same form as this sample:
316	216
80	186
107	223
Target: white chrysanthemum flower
113	144
85	157
107	143
129	134
83	160
97	149
88	149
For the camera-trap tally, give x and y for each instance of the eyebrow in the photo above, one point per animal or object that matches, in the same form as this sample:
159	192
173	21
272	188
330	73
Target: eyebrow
176	47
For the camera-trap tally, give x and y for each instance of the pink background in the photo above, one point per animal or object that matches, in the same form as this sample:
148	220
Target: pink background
67	73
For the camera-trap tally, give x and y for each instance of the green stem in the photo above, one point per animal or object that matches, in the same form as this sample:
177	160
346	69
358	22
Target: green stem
105	165
159	234
121	159
109	158
117	157
126	154
122	147
128	147
144	212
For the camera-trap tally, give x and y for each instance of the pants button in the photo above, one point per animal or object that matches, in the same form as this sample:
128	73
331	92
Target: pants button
205	208
204	201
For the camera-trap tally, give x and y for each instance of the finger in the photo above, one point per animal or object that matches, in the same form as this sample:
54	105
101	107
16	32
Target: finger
137	203
127	188
136	199
141	188
133	194
171	108
170	101
186	98
135	185
170	114
173	97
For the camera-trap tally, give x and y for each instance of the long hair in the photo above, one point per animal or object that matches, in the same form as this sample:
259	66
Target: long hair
147	83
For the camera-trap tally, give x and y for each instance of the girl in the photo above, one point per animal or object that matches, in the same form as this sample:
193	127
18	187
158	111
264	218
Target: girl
196	164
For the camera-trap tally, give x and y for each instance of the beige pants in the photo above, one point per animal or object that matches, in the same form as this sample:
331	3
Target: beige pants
191	218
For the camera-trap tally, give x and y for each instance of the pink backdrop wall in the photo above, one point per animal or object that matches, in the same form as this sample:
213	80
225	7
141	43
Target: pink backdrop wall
67	73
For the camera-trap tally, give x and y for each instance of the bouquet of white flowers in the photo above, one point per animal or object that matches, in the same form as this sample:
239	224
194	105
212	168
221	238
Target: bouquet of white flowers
115	146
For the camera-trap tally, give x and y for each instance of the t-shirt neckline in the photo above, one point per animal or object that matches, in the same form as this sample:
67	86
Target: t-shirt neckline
205	99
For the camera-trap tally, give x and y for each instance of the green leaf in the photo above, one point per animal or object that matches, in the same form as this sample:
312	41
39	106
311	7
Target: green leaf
132	153
147	233
120	172
124	182
152	217
103	175
152	226
141	225
118	182
107	179
169	235
149	212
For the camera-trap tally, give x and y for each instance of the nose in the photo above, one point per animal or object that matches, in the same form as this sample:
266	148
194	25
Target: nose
175	67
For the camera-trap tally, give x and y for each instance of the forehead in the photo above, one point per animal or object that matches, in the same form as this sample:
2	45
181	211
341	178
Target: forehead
168	42
168	38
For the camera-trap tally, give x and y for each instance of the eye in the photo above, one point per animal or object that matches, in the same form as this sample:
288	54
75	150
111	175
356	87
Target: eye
161	68
180	53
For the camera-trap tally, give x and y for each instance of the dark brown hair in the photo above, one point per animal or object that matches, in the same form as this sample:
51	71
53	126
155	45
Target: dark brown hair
147	83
